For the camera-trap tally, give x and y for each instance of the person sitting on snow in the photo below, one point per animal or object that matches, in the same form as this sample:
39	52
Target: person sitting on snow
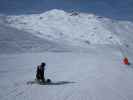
40	72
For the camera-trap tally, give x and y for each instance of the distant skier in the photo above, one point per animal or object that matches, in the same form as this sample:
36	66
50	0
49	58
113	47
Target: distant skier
40	72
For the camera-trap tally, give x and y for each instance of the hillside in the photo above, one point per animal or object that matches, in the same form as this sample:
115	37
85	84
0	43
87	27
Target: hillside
15	41
75	28
69	22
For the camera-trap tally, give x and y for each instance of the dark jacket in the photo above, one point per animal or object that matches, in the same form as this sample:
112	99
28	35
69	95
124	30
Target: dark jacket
40	73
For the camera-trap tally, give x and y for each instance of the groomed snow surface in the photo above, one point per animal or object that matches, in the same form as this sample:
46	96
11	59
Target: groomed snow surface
94	75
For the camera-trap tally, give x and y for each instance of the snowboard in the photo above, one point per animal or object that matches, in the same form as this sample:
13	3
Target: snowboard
47	82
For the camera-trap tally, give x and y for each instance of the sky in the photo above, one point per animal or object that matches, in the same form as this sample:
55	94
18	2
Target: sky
114	9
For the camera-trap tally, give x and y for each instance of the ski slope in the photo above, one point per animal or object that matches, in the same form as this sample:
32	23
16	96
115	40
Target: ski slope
94	75
83	43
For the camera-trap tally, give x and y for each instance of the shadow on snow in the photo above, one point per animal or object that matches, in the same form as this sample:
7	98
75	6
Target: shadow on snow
51	83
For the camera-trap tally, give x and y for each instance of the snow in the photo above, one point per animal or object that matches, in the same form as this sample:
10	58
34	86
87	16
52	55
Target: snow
80	30
15	41
57	25
82	42
94	75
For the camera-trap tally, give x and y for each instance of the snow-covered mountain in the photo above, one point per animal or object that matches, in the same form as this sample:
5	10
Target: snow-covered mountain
78	29
58	25
97	34
70	22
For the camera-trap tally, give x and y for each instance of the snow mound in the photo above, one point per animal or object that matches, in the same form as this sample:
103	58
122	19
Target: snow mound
73	28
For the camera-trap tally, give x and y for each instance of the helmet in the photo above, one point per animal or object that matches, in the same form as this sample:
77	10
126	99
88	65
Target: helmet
43	64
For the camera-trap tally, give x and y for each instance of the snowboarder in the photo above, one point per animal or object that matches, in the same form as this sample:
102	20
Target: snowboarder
40	72
40	79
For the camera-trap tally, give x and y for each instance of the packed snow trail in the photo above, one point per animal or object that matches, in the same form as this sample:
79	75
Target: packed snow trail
94	75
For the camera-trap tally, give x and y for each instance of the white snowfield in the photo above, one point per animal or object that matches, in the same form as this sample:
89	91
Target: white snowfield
76	28
83	53
94	75
79	29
